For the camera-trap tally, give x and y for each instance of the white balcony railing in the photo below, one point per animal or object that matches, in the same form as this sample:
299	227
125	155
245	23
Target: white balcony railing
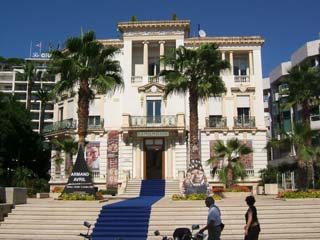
242	79
250	172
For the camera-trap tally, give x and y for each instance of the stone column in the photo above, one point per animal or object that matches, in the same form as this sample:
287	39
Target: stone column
231	62
223	55
170	160
251	72
161	54
145	58
138	160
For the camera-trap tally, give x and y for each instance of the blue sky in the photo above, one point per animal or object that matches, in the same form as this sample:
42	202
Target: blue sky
284	24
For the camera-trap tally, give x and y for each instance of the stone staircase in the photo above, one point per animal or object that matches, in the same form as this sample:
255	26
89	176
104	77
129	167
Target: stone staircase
51	219
133	188
280	220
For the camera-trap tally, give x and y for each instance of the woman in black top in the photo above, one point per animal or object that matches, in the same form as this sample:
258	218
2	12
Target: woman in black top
252	227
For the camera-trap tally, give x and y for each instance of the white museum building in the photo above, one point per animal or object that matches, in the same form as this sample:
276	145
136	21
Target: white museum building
138	134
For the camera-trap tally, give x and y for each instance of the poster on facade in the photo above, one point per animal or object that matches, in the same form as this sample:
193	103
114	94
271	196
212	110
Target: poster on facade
93	155
112	157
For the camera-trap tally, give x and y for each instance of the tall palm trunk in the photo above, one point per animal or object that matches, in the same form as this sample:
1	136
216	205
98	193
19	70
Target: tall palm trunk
83	111
194	141
229	174
306	113
305	170
30	86
41	117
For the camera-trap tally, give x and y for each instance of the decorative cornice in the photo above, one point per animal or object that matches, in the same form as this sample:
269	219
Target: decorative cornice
111	42
235	40
148	86
125	26
243	89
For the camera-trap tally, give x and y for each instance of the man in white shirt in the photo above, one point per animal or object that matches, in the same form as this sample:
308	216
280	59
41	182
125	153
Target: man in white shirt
214	220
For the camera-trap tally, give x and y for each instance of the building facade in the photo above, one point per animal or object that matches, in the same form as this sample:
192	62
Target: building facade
139	134
283	119
11	82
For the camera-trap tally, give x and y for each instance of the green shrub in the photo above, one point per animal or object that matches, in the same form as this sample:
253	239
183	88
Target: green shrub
299	194
194	196
77	196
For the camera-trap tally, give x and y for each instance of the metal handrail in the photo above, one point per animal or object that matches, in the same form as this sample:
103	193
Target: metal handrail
244	122
61	125
219	122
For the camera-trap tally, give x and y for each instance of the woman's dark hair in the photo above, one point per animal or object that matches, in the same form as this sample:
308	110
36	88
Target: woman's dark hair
250	200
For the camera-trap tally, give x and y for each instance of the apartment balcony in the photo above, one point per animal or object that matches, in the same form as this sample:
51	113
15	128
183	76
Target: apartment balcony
67	124
241	79
96	126
163	125
315	122
244	122
216	123
143	80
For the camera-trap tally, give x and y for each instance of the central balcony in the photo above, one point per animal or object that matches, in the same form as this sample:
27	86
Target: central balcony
168	123
153	121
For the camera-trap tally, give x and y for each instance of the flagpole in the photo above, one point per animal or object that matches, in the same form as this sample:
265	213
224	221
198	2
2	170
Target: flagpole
40	47
30	49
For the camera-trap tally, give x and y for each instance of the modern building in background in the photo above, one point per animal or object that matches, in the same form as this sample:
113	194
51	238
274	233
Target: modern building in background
282	119
11	82
138	134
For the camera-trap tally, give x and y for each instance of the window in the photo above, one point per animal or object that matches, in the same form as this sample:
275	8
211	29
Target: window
48	116
215	106
94	121
154	67
243	113
60	114
153	111
240	65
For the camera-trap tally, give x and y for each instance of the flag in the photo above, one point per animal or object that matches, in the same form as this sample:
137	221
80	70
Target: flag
39	44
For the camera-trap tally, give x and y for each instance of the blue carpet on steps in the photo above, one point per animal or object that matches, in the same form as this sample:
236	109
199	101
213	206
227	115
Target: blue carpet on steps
129	219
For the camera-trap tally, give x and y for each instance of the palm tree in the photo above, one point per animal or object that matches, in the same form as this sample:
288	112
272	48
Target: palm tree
44	96
301	150
232	151
30	75
196	71
88	64
303	89
70	147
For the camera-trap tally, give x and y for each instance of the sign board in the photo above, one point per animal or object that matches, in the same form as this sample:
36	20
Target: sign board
80	179
152	134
